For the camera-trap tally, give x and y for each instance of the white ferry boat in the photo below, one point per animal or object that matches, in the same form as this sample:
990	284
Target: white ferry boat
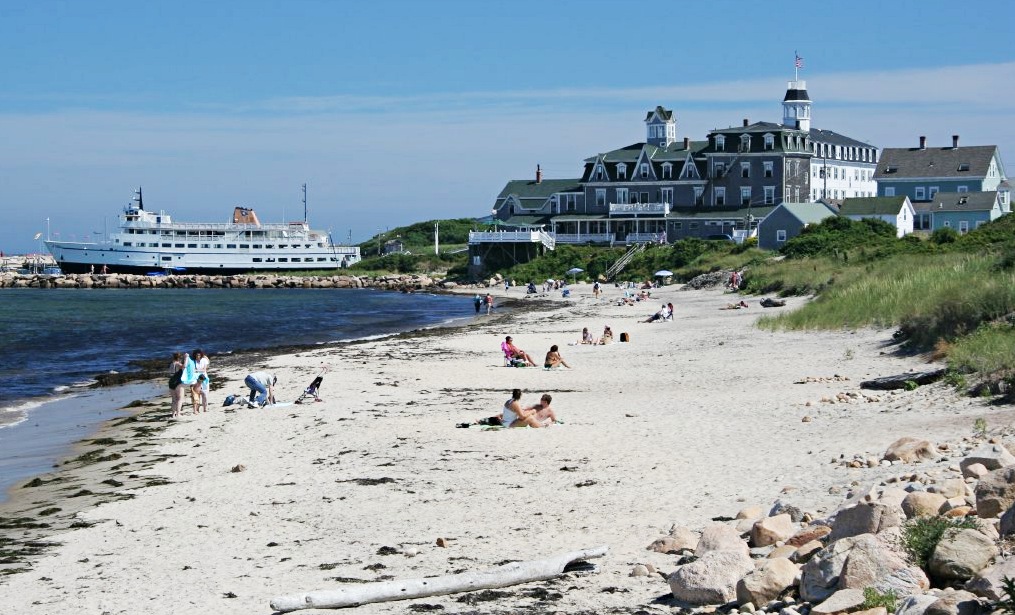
150	242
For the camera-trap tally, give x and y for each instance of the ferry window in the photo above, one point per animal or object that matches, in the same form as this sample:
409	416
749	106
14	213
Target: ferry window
231	246
306	245
283	260
283	245
127	244
269	246
296	260
320	245
245	246
167	245
205	245
218	245
321	258
179	245
167	258
257	245
191	245
257	260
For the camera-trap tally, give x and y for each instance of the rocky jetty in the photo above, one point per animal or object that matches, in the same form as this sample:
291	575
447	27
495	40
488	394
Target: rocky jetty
113	280
874	549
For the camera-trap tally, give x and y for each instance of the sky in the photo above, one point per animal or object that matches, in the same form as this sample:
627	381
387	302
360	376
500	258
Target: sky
399	111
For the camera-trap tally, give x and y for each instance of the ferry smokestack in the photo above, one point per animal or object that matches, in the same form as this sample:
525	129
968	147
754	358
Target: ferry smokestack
539	175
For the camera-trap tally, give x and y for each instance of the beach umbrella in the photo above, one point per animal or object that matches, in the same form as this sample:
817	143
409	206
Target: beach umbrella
663	273
574	271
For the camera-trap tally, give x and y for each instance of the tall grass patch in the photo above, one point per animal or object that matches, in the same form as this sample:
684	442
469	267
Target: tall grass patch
990	350
931	297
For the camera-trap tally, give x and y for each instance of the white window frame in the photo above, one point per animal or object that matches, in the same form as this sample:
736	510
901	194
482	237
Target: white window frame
699	195
780	235
769	168
622	196
601	197
718	169
720	143
769	142
745	169
667	195
644	170
667	171
769	195
745	195
932	191
919	193
720	196
621	171
963	227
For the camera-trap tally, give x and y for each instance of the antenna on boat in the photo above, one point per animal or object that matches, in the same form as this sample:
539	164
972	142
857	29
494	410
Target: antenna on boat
137	197
304	203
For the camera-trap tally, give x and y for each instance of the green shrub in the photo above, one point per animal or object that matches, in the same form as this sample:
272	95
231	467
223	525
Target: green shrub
921	535
943	235
1007	603
910	385
872	598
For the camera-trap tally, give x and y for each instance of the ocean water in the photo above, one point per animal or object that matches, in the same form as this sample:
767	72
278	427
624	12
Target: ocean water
55	339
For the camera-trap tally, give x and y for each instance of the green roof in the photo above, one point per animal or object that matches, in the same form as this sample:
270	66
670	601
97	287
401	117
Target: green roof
525	221
721	214
872	206
808	213
530	189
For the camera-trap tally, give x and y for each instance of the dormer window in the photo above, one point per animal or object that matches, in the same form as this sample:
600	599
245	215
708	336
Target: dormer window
964	166
667	170
720	142
769	142
890	169
621	171
644	170
599	172
745	143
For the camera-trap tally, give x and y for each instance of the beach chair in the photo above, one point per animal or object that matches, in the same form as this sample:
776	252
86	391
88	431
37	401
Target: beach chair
312	390
509	359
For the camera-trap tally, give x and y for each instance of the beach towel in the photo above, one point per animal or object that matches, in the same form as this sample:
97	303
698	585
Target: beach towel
189	376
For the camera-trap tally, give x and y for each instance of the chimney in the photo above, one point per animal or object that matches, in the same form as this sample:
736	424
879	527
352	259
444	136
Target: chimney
955	141
687	142
539	175
923	142
746	122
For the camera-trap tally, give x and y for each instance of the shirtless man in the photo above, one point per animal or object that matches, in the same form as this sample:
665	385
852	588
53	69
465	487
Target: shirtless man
516	416
543	411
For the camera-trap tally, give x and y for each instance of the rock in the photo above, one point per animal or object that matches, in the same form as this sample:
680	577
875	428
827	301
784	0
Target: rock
683	538
922	504
908	450
238	468
805	551
664	544
953	503
719	537
639	571
995	492
771	530
712	578
892	497
959	511
878	610
975	470
751	512
842	601
442	543
915	604
809	534
786	551
863	518
767	582
955	602
987	583
1007	525
951	488
780	507
960	554
990	456
874	562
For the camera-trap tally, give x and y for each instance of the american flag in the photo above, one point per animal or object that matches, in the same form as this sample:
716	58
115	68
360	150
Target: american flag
799	63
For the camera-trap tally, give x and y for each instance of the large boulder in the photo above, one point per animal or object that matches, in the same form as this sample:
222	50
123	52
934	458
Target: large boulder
683	538
809	534
711	579
719	537
995	492
991	456
987	582
771	530
923	504
908	450
863	518
956	602
767	582
876	562
842	601
960	554
1007	525
915	604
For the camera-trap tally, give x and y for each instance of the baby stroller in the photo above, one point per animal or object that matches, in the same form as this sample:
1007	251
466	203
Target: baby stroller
313	390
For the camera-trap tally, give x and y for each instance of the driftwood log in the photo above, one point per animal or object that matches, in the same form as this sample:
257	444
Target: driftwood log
889	383
385	591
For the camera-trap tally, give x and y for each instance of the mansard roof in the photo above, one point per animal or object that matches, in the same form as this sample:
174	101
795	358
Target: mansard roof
910	163
713	213
833	138
755	127
795	94
872	206
664	114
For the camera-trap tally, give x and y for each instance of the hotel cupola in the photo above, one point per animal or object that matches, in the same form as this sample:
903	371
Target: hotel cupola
660	127
796	106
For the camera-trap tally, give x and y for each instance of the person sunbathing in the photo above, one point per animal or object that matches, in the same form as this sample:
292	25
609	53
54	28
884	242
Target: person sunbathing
607	336
544	412
513	352
586	337
553	359
660	315
514	415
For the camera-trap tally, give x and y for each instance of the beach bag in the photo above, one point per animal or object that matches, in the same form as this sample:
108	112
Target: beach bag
175	379
624	337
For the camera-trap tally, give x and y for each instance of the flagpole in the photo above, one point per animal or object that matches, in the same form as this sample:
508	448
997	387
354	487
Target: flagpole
796	66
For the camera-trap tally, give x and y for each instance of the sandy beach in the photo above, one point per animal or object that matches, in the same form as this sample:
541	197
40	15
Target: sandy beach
691	420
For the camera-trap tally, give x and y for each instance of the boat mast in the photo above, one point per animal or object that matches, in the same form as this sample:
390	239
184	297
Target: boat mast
139	199
304	203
